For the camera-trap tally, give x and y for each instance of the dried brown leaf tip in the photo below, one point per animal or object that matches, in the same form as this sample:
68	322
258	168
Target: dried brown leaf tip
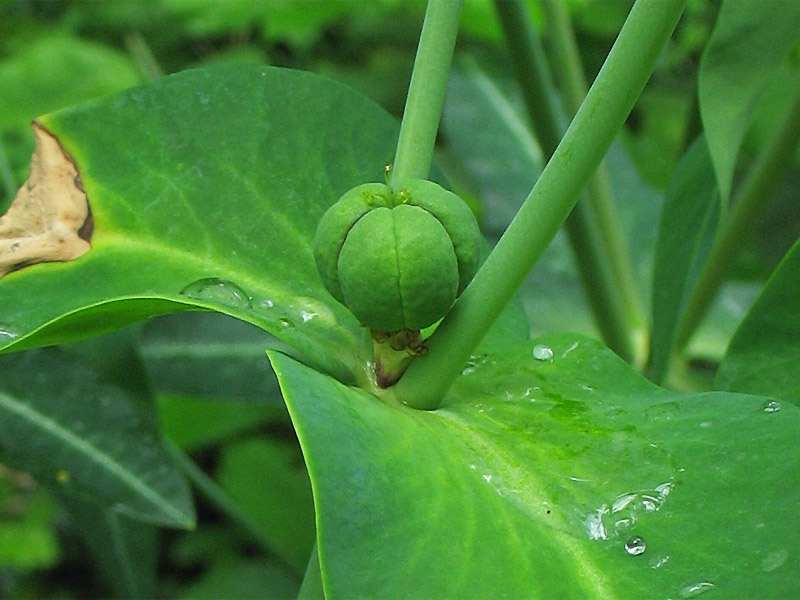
49	219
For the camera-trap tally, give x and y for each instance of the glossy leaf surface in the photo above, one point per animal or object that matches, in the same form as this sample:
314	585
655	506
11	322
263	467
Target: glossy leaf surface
746	49
688	225
571	478
85	437
764	354
194	208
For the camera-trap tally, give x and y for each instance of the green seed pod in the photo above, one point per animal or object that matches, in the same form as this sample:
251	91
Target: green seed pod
397	260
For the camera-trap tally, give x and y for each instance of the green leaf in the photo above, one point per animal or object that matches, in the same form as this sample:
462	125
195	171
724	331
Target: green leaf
123	549
746	49
209	356
536	474
688	225
765	351
269	482
194	207
69	430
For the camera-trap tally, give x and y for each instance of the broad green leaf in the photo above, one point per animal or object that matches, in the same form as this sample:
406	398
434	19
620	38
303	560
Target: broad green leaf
748	44
84	437
764	354
40	77
270	484
565	478
124	550
205	189
688	225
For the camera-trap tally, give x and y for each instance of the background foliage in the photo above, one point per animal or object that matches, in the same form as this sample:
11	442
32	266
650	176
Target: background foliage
57	53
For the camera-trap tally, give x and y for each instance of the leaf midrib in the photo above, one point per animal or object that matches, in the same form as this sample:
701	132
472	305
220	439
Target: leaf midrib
96	455
592	574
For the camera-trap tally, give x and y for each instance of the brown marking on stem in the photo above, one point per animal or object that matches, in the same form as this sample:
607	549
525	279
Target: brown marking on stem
50	219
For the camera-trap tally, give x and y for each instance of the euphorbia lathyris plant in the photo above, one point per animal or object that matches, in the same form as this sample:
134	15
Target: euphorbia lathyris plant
496	466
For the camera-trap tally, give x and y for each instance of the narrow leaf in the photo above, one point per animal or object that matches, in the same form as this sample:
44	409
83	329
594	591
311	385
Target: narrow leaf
688	225
71	431
764	354
124	550
746	49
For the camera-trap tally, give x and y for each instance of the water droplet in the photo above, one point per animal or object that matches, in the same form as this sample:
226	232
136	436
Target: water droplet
7	335
659	561
774	560
695	589
266	303
285	323
635	546
772	406
543	352
487	478
218	291
616	518
474	362
310	309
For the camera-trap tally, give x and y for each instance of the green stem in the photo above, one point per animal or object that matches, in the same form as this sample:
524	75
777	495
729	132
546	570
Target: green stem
567	66
548	122
601	116
218	498
143	55
426	92
749	202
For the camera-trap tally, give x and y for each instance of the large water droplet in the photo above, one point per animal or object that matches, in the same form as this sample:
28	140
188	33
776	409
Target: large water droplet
695	589
772	406
7	335
615	519
635	546
219	291
543	352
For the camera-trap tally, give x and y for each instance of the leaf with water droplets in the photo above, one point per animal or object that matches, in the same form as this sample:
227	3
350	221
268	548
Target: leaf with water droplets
85	438
182	224
605	486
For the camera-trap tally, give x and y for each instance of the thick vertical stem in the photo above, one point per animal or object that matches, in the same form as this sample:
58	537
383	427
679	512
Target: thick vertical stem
593	259
603	113
427	89
566	64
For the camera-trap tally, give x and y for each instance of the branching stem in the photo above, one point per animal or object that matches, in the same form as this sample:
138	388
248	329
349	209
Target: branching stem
547	117
602	114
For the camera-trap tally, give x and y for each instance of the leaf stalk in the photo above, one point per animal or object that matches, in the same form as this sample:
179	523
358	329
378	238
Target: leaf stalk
425	99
